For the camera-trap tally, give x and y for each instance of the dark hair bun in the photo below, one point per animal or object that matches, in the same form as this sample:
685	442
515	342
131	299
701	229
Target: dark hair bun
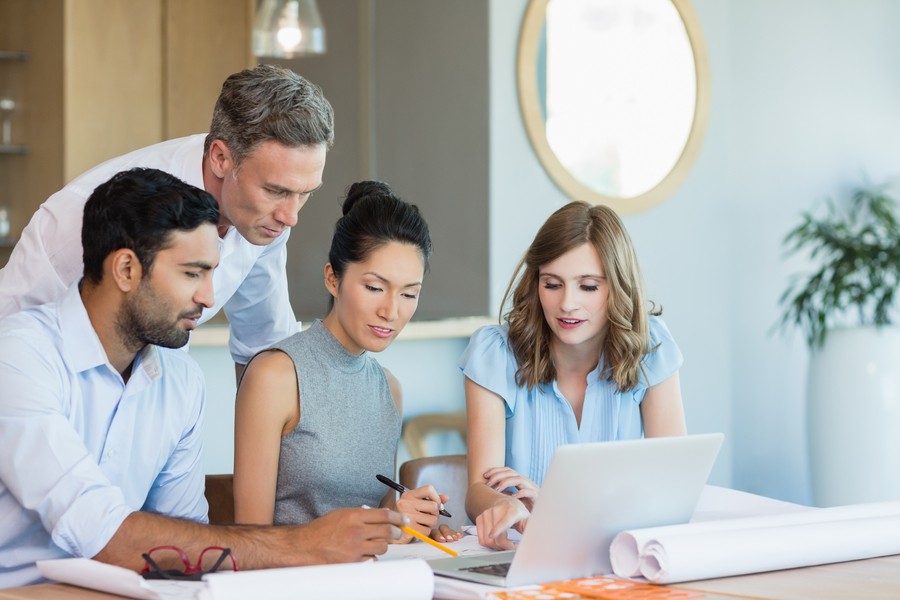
366	189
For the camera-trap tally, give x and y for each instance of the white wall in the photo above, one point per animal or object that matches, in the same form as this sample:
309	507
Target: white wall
805	97
805	100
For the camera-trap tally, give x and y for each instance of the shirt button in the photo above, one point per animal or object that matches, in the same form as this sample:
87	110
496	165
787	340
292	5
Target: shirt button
110	453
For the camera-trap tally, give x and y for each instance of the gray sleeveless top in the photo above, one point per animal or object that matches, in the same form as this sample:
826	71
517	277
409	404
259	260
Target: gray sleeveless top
348	431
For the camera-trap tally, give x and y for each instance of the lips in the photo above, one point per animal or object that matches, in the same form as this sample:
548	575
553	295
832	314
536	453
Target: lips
382	332
569	323
272	233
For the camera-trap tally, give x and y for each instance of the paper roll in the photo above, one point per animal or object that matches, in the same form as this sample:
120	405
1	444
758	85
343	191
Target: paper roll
682	552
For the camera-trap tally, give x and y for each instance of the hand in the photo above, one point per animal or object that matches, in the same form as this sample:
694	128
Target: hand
502	478
352	534
445	534
494	523
423	512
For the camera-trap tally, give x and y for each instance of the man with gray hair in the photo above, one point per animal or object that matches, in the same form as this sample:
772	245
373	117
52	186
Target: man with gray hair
263	157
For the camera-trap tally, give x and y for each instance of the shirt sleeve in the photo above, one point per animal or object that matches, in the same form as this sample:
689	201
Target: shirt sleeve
665	360
260	311
46	466
489	361
47	259
178	489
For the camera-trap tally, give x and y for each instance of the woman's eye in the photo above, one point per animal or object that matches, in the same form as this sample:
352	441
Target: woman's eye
590	288
410	296
372	288
551	286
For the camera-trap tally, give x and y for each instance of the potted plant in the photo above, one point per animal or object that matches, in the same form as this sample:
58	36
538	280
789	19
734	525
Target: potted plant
845	307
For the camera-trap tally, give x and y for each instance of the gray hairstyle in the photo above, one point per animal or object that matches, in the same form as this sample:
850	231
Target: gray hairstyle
269	103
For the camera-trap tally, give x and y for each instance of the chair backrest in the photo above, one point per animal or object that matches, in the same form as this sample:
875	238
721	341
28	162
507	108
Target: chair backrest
220	496
417	429
448	475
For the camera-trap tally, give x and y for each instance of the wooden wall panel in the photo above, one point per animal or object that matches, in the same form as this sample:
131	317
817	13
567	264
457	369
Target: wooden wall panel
113	79
205	42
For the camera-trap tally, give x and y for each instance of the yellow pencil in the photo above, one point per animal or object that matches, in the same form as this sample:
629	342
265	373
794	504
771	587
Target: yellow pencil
427	539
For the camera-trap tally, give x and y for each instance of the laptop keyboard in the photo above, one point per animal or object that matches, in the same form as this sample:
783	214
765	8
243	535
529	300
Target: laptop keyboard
498	569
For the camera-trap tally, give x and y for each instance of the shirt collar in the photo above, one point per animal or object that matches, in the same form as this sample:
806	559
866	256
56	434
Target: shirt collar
82	346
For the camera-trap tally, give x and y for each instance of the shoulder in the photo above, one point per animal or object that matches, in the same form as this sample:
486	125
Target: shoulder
489	360
664	357
490	339
659	332
32	332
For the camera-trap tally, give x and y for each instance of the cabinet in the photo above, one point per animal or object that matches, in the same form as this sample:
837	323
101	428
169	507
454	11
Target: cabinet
104	77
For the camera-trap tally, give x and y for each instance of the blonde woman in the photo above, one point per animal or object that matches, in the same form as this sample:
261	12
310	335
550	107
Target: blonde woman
581	357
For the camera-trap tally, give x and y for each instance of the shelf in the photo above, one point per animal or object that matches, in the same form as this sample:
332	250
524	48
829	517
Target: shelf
13	149
13	55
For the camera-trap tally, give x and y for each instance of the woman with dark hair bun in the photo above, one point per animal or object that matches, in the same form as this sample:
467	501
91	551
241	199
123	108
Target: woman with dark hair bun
316	415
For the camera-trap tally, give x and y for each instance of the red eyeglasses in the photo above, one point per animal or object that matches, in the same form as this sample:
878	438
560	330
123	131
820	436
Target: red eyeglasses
171	562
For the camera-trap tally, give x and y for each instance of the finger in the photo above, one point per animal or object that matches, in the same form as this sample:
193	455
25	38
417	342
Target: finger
505	480
494	470
448	533
384	515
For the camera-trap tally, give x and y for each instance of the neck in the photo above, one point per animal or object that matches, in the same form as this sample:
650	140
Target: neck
103	311
581	359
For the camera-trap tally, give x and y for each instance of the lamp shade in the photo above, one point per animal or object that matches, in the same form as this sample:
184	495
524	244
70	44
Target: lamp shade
288	28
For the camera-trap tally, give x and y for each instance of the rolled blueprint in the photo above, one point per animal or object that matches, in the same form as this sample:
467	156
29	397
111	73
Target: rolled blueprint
754	544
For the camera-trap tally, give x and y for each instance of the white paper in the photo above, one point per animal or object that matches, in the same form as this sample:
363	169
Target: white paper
467	545
373	580
728	547
96	575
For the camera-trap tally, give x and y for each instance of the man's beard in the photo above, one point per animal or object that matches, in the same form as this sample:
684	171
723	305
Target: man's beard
142	321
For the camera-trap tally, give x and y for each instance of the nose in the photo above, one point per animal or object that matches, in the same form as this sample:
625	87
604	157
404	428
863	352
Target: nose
569	302
389	309
287	213
205	295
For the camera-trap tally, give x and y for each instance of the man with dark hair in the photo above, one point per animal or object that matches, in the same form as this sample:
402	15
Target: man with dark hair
101	421
263	157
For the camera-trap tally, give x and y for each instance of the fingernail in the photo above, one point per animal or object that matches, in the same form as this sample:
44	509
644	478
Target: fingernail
405	519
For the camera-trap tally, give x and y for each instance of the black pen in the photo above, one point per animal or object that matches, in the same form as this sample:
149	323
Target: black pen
402	488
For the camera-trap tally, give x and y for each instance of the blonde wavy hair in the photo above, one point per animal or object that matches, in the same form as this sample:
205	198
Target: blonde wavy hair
627	339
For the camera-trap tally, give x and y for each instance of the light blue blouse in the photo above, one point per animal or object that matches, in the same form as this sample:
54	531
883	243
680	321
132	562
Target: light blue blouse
540	420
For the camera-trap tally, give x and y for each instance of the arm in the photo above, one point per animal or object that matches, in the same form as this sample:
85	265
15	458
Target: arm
492	511
662	411
47	258
417	504
345	535
267	408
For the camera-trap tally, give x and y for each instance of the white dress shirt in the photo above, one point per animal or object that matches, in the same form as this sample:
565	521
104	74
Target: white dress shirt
250	283
81	449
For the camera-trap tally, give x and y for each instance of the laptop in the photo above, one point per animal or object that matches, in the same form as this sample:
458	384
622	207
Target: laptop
592	492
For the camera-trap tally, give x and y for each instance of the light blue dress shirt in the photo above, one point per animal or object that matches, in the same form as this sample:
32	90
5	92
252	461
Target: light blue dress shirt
540	420
80	448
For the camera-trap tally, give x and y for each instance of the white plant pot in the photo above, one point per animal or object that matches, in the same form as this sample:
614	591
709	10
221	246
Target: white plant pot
853	409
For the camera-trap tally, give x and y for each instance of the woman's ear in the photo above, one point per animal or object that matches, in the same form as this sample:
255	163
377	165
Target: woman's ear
125	269
331	280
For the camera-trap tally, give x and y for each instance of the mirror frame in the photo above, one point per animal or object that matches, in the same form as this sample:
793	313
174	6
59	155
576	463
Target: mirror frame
529	37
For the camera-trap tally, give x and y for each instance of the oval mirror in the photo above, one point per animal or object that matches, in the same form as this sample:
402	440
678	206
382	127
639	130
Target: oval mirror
614	95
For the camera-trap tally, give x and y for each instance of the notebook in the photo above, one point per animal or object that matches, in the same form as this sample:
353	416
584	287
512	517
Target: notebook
592	492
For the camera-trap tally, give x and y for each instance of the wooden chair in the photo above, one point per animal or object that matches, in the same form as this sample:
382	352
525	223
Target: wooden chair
220	496
448	475
418	428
